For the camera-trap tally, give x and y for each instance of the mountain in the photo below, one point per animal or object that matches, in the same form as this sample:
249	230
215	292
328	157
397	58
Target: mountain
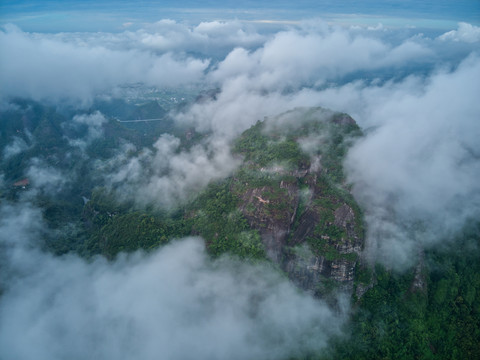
294	194
286	204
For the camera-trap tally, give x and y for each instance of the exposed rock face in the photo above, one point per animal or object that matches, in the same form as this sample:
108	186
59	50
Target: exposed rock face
309	223
306	227
273	214
344	216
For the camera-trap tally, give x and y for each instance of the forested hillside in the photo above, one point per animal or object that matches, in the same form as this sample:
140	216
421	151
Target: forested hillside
287	203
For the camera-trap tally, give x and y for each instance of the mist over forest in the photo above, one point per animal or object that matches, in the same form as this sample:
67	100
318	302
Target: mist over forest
251	186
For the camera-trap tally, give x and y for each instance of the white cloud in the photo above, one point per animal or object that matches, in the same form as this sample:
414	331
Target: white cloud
421	127
465	33
174	302
312	56
211	38
45	177
81	65
94	123
378	27
167	175
15	147
48	68
420	164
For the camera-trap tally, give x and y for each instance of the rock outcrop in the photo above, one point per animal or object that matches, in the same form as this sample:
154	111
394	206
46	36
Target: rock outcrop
309	223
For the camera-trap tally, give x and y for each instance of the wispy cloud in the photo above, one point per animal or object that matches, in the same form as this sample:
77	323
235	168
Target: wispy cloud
415	172
168	175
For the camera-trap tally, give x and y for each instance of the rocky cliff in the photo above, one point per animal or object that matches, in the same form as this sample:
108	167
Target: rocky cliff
292	190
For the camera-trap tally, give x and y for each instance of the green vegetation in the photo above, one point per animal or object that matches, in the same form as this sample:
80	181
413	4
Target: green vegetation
263	150
275	162
132	231
392	320
216	218
115	227
214	215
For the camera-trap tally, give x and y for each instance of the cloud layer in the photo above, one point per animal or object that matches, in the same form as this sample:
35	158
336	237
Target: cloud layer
174	303
465	33
79	66
416	171
419	163
49	68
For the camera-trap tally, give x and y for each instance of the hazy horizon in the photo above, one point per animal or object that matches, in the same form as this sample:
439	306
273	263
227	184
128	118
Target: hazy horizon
74	15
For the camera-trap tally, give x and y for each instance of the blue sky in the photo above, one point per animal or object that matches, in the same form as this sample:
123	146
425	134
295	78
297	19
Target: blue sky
72	15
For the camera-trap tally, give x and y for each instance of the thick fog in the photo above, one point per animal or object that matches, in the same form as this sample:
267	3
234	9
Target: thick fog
414	172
